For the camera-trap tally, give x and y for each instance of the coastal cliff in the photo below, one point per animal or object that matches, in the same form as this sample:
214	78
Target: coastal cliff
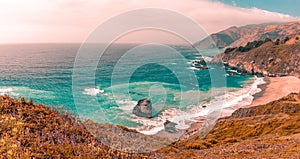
265	57
240	36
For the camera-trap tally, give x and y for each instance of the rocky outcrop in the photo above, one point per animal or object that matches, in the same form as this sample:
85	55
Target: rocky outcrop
170	127
265	58
239	36
143	109
250	45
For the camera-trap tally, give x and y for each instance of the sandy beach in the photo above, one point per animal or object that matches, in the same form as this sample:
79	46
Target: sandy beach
276	88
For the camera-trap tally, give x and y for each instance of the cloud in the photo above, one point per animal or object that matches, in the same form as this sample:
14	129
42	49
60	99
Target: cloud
72	20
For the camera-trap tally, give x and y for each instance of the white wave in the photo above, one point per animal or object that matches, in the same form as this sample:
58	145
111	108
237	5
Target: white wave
5	90
234	71
224	104
207	59
154	125
26	92
126	105
93	91
192	68
232	101
8	91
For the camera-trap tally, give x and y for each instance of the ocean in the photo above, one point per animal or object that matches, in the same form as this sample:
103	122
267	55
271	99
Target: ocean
123	75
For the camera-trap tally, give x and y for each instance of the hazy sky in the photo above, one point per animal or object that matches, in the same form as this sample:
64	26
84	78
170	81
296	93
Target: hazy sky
42	21
290	7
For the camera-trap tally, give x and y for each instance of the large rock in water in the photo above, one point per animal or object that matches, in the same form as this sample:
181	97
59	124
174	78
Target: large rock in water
143	108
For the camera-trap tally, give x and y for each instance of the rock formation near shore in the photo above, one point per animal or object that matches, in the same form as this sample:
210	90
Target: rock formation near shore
143	109
170	127
239	36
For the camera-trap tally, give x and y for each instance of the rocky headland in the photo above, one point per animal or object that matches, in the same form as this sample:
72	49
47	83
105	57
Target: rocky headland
265	58
240	36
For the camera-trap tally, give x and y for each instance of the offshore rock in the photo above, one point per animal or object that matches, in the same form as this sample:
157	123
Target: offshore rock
143	108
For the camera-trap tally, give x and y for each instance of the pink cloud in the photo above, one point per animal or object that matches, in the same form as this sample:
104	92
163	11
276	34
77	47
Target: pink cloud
72	21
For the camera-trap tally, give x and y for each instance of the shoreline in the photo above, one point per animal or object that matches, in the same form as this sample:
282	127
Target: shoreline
274	89
263	88
240	98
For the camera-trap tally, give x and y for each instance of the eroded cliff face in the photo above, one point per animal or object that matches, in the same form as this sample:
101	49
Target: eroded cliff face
239	36
266	58
266	131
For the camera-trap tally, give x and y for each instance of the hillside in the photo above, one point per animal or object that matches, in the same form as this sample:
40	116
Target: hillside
30	130
266	58
266	131
239	36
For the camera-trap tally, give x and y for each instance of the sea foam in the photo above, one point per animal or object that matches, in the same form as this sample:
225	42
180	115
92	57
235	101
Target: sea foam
8	91
93	91
224	105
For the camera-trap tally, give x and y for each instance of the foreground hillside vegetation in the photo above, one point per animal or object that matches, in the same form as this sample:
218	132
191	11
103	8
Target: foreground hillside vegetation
29	130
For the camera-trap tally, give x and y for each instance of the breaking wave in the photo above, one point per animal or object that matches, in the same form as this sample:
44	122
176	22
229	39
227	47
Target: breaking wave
225	104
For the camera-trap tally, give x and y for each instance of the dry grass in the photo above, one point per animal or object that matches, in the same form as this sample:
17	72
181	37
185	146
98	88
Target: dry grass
267	131
28	130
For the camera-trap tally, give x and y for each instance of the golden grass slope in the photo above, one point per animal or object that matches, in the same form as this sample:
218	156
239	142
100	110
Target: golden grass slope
266	131
29	130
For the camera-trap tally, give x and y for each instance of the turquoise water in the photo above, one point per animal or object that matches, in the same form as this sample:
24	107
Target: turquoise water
44	72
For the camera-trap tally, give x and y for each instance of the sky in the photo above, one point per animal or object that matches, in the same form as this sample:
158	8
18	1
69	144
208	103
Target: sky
71	21
290	7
